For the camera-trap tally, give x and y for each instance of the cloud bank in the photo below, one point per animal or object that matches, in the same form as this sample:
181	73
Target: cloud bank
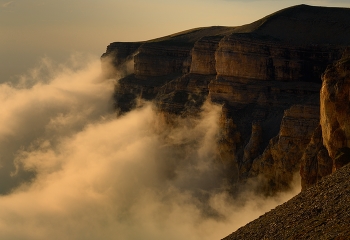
70	169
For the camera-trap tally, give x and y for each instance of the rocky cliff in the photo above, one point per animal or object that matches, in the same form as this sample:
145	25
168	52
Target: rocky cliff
331	140
267	77
335	107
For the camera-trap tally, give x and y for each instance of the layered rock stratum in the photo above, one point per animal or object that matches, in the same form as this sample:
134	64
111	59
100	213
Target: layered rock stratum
266	76
321	211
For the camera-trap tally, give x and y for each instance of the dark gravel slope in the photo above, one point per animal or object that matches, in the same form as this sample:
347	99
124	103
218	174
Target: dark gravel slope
321	212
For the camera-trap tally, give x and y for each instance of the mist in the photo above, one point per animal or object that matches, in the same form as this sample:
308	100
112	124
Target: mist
70	168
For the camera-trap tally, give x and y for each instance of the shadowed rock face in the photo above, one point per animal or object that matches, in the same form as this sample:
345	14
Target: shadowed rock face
315	162
267	77
154	59
281	158
118	55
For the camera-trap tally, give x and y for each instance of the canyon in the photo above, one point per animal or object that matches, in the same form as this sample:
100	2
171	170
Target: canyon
282	83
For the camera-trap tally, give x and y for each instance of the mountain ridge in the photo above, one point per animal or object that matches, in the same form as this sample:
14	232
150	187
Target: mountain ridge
267	77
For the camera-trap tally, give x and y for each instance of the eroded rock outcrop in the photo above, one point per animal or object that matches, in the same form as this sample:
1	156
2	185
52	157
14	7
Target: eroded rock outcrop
160	59
328	149
335	107
281	159
266	76
121	56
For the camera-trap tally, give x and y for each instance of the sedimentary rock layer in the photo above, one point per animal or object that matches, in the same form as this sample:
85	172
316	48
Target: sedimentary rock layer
155	59
203	55
267	77
249	56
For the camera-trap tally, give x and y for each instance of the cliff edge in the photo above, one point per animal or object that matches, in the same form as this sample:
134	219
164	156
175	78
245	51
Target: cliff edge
266	76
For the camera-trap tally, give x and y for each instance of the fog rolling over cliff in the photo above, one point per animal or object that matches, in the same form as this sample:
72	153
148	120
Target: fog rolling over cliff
170	138
266	76
72	169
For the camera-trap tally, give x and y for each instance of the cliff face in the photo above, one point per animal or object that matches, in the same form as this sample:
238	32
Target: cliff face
155	59
203	55
118	55
329	146
267	81
281	159
238	54
335	107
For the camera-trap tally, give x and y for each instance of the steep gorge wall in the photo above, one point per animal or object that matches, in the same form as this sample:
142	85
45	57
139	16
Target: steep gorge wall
281	158
329	148
335	106
248	56
268	84
259	107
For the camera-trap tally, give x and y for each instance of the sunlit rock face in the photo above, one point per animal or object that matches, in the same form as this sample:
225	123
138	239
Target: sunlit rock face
328	149
203	55
248	56
266	76
335	108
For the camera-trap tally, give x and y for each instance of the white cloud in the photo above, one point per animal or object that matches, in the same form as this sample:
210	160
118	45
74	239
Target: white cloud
102	177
